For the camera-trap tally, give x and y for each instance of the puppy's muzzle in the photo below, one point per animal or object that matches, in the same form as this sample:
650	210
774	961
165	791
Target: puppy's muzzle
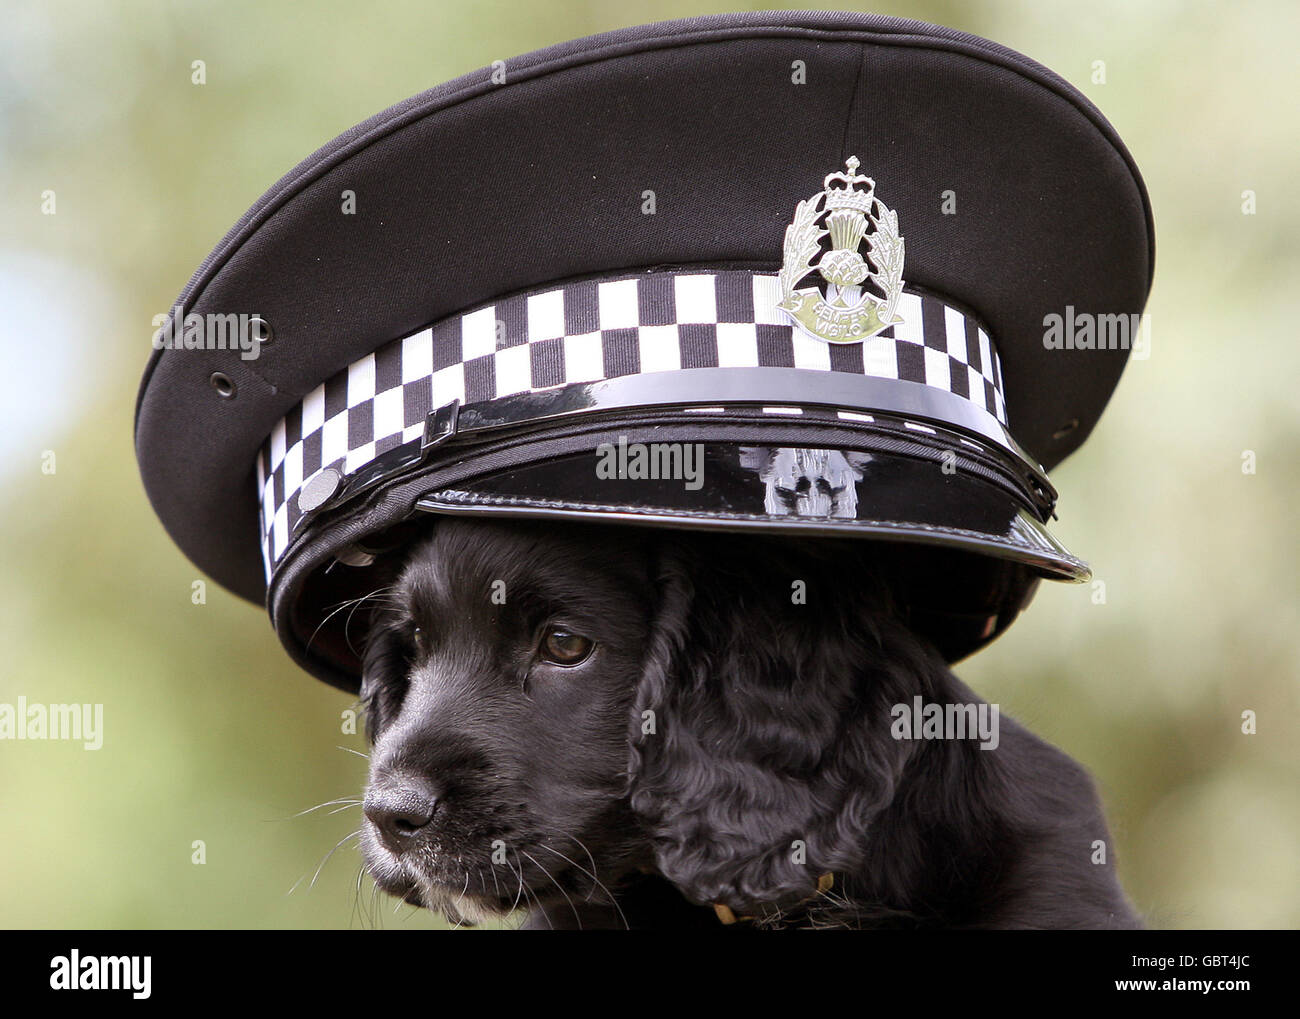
401	808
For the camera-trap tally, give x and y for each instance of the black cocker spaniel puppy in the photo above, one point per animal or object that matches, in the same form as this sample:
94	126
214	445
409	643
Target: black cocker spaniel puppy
615	726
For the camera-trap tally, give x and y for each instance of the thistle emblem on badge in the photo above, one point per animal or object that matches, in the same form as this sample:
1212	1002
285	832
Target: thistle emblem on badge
862	287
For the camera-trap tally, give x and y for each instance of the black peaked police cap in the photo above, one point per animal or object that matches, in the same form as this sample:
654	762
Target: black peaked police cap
801	263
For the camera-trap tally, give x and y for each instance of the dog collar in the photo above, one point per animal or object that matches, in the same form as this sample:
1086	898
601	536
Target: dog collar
727	916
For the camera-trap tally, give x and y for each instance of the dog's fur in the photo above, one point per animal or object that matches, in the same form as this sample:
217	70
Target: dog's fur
722	745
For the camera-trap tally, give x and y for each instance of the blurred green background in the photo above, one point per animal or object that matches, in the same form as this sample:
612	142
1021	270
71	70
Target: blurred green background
211	733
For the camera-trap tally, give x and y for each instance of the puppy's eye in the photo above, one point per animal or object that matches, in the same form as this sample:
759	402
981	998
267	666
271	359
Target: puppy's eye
563	647
420	639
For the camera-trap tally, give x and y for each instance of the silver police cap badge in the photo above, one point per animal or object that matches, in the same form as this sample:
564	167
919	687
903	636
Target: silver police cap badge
847	212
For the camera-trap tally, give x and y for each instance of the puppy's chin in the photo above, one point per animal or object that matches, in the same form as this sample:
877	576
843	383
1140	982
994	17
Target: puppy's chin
411	880
458	908
457	904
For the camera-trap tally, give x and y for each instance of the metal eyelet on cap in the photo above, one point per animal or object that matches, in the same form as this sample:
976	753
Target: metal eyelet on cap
262	331
1066	429
223	384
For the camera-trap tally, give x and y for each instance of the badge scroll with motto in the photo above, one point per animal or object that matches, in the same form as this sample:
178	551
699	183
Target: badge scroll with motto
866	251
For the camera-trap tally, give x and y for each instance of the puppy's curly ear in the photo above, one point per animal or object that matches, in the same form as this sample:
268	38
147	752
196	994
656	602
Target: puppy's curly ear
760	749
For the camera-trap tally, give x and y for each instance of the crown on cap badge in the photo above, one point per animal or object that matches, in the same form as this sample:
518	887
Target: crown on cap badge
862	290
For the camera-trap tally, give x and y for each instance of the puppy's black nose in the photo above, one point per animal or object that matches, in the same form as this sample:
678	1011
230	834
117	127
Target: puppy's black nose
400	810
